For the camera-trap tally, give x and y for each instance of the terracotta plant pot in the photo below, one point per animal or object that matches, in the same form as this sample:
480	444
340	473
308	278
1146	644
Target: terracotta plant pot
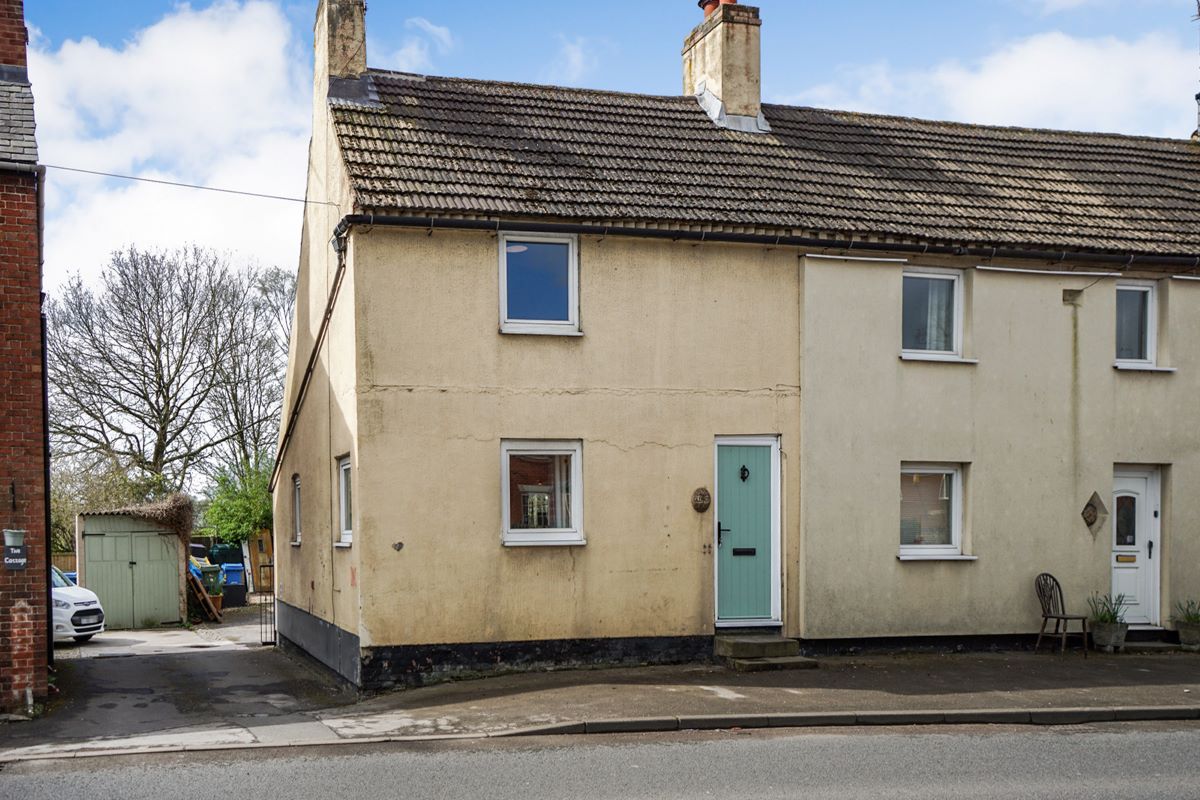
216	600
1109	636
1189	636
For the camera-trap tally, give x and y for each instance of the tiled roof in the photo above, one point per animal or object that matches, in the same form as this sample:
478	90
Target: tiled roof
478	148
17	143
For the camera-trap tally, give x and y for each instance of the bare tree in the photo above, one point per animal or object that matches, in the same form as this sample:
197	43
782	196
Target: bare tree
132	365
247	397
85	484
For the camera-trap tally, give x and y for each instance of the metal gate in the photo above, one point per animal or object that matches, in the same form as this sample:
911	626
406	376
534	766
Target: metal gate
266	603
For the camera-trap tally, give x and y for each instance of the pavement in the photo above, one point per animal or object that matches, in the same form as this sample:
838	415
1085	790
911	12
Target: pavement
217	688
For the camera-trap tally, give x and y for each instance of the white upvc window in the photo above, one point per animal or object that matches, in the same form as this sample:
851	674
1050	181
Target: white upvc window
932	314
296	535
542	492
1137	323
345	502
539	284
931	510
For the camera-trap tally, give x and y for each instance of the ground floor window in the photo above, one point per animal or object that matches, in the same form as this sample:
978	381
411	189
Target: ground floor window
931	509
543	487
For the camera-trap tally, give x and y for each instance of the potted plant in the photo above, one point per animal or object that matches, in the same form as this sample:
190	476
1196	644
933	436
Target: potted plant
217	595
1187	622
1108	621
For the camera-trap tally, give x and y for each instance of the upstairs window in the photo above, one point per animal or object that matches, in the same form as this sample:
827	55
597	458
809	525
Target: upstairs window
345	501
539	284
1137	323
933	313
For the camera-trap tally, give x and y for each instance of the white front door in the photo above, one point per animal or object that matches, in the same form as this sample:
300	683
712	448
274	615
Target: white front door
1136	548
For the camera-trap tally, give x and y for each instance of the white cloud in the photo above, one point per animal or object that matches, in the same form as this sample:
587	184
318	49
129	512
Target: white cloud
415	53
441	36
575	60
1055	6
217	97
1051	80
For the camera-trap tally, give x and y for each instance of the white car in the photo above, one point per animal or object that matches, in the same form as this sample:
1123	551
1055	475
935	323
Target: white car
77	611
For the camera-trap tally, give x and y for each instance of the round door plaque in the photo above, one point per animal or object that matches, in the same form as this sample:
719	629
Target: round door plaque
701	500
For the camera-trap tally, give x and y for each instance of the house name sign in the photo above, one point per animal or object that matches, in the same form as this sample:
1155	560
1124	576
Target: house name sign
15	558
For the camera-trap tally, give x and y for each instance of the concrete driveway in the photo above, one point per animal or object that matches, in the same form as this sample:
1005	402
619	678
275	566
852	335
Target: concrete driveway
210	685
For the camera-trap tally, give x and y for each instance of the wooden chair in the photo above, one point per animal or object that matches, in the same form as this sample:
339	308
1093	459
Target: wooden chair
1050	596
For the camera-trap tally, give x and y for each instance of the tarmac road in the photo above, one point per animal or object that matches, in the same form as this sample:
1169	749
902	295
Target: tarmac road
1118	760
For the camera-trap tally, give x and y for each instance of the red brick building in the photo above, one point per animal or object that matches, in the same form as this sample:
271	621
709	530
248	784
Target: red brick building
24	598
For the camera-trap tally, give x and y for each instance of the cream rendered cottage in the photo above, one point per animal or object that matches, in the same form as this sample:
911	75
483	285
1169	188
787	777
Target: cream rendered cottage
589	376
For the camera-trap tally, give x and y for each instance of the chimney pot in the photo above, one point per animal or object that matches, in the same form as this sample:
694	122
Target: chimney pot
710	6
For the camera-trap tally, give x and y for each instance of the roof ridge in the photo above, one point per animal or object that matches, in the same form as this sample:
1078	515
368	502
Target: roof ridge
527	85
984	127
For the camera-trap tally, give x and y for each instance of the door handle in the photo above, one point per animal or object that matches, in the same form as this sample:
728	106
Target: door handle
721	533
1151	546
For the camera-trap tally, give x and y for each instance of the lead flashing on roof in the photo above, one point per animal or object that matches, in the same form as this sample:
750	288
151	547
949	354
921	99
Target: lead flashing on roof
12	74
360	91
715	109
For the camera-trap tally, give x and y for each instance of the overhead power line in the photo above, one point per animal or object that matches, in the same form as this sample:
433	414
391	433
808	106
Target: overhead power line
181	185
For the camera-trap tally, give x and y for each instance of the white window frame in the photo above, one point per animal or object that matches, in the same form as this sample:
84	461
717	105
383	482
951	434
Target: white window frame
297	536
955	275
543	537
1151	289
345	526
937	551
542	327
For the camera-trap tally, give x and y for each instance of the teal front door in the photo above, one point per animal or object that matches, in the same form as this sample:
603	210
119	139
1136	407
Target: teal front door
745	533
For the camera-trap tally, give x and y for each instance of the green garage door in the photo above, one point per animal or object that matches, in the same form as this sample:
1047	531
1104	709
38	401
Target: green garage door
134	572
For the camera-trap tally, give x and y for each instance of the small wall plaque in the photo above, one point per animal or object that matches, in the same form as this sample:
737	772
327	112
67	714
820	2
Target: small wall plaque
16	558
701	500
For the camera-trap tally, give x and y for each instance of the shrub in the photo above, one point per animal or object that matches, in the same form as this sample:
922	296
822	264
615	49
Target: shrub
1187	612
1106	608
240	506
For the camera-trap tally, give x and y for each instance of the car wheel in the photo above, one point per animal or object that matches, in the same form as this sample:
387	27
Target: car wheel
82	639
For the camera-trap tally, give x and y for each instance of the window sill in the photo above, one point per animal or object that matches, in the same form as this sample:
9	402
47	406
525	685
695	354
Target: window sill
342	545
1126	366
573	540
931	557
540	330
941	359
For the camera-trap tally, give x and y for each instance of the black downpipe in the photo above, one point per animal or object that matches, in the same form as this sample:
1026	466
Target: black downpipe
46	484
41	222
339	246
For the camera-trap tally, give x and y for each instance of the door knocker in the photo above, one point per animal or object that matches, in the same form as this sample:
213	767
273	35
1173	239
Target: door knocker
744	472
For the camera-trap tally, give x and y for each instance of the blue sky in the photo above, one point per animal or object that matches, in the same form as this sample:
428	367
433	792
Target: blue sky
635	47
217	92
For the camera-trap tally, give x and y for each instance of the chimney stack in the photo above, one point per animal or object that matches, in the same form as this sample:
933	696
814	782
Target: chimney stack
722	65
340	38
13	34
